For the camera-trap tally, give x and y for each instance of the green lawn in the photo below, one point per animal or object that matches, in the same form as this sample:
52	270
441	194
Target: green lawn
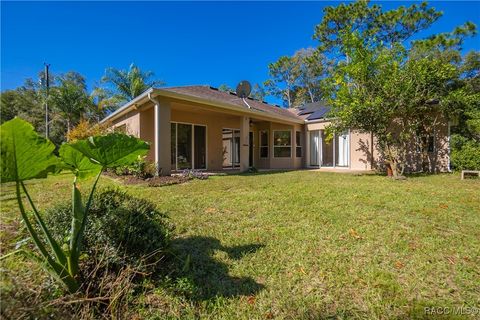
306	245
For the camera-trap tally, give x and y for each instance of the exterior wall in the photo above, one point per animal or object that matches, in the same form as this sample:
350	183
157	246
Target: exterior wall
132	122
214	123
418	161
147	132
363	153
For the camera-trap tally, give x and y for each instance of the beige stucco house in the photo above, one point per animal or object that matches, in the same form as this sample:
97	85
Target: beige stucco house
200	127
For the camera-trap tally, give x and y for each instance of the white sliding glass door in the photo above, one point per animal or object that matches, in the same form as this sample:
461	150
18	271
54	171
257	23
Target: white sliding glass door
314	148
332	153
342	150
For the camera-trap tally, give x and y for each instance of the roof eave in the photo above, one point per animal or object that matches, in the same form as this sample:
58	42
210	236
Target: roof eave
319	120
128	106
175	95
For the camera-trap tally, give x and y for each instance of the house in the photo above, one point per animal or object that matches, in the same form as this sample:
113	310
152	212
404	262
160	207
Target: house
200	127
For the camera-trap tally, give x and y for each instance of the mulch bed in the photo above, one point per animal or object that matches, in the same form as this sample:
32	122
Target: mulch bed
151	182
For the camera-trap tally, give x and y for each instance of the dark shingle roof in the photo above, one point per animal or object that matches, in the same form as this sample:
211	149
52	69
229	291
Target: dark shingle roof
215	95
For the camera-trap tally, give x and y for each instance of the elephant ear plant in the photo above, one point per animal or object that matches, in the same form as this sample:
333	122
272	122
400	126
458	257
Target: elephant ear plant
25	155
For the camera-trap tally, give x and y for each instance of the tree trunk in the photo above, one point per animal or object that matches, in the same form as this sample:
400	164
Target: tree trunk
394	163
311	95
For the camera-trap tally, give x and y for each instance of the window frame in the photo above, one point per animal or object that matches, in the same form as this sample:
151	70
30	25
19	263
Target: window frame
298	144
261	146
282	146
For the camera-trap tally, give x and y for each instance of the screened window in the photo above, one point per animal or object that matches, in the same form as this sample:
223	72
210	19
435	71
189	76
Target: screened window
264	144
298	147
282	144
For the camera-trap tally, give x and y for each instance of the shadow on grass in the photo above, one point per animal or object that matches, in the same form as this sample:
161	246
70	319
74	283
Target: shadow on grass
210	278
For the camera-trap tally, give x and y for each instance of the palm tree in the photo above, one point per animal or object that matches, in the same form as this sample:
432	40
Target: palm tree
125	85
70	99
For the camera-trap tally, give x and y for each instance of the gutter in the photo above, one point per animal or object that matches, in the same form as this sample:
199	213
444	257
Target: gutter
152	93
319	120
126	107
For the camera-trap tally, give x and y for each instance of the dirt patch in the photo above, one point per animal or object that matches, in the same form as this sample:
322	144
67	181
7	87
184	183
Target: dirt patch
151	182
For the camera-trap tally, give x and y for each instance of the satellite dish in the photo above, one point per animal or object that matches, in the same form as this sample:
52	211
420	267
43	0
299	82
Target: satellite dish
243	89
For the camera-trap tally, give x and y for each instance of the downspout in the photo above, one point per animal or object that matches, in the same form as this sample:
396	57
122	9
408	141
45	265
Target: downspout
156	133
155	101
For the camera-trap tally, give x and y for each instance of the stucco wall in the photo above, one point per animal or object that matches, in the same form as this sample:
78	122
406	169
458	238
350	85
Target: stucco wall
418	161
214	123
132	122
363	152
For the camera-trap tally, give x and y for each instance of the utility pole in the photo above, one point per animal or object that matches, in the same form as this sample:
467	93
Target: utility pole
47	86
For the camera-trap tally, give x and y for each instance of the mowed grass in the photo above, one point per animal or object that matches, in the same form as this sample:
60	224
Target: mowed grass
308	245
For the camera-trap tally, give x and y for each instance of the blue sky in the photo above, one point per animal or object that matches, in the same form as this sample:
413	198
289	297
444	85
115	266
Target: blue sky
182	42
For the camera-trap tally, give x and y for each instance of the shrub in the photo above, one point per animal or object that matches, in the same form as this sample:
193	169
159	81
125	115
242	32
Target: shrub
121	228
466	157
85	129
141	168
465	153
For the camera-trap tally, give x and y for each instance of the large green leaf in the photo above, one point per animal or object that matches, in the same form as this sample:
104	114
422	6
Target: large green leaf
76	161
114	149
25	155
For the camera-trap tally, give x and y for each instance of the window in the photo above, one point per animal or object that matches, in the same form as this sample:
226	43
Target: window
298	141
121	129
426	144
282	144
264	144
430	143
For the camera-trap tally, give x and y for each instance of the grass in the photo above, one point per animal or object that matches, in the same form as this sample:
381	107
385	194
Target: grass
304	245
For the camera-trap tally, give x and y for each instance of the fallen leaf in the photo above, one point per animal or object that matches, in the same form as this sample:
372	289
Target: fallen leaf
443	206
354	234
399	265
210	210
251	300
